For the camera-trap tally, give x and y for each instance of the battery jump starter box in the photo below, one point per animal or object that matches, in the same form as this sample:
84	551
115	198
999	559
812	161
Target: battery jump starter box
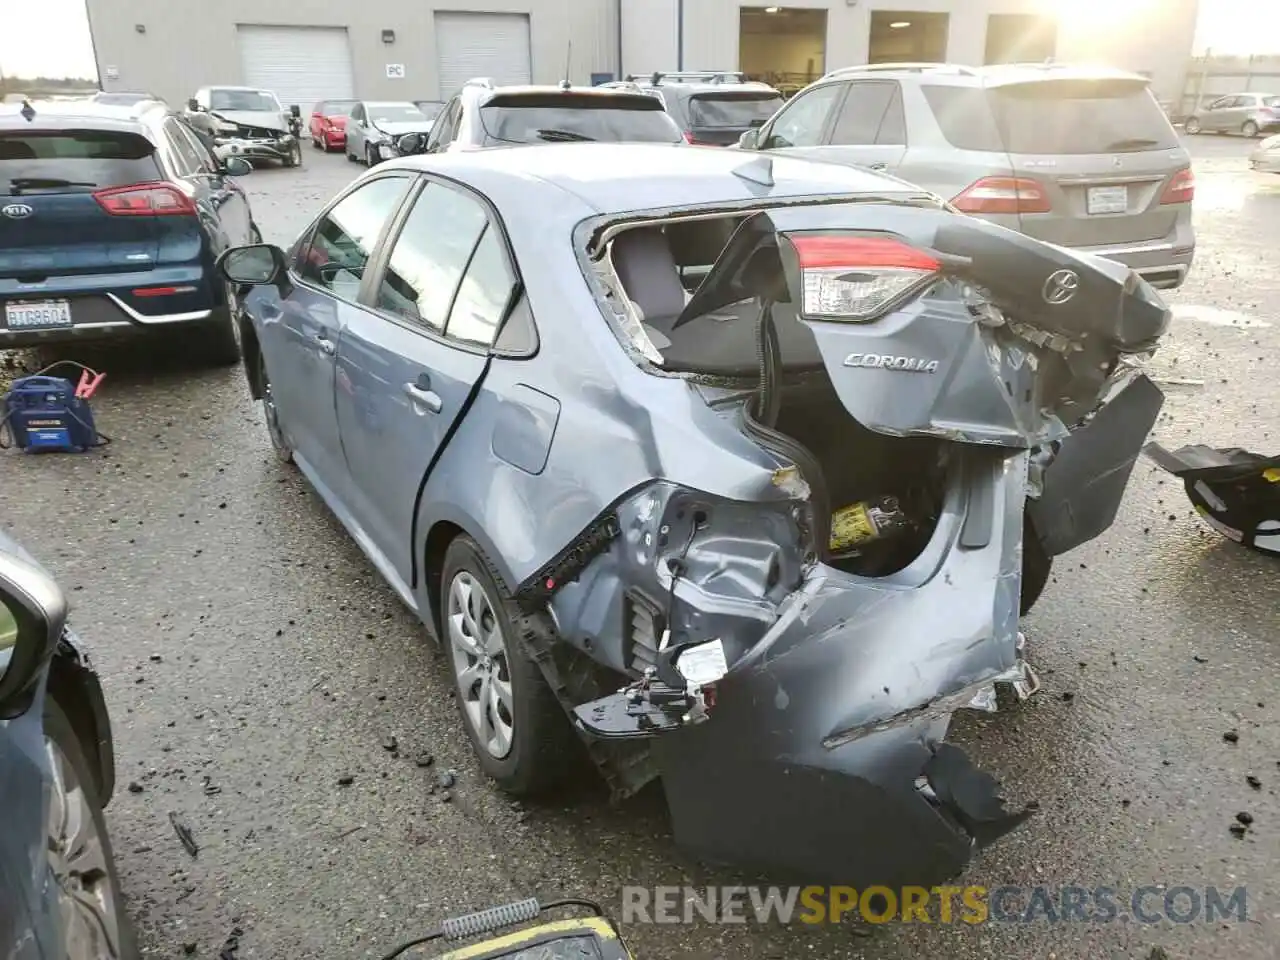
49	415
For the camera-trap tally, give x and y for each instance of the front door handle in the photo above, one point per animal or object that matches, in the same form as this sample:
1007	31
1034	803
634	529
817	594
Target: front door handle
327	346
424	400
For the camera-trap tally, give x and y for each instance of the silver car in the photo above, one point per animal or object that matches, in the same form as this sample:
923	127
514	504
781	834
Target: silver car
1083	158
738	470
1266	156
1248	114
374	126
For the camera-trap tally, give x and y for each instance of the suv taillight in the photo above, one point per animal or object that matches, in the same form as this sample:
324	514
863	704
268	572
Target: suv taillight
1181	189
145	200
992	195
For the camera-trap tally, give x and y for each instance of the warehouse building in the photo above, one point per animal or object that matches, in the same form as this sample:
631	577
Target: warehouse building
308	50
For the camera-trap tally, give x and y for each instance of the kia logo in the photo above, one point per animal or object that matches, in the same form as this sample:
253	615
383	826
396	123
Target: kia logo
17	211
1061	287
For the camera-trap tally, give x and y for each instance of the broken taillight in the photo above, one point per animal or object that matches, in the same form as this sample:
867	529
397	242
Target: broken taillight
856	277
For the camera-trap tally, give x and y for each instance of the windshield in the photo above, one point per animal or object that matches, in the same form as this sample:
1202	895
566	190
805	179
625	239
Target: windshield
430	108
261	100
1081	117
607	123
395	113
736	111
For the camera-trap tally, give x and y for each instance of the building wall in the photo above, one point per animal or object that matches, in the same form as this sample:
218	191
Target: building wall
190	44
711	30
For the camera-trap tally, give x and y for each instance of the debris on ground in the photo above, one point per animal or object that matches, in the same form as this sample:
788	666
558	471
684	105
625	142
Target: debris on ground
185	835
391	745
135	787
1253	781
346	780
1244	817
424	760
447	779
1231	736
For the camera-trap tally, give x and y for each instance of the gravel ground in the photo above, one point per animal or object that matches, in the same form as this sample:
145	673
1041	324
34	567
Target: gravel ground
257	668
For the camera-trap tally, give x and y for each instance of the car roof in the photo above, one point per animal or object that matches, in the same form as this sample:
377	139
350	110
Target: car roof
72	114
227	86
485	94
992	75
619	178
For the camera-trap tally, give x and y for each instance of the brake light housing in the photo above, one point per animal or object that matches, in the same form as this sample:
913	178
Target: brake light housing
855	278
145	200
1181	188
1003	195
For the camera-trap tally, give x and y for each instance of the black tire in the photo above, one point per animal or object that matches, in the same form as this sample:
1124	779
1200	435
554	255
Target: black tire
317	143
1250	129
369	160
1192	125
1036	567
59	729
351	156
543	745
270	416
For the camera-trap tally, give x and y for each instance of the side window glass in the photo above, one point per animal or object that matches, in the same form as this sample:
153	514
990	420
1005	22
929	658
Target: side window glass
344	238
448	127
183	160
205	160
863	111
484	295
430	256
893	128
802	123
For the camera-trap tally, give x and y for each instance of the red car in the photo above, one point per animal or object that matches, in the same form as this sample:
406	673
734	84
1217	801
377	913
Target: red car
328	124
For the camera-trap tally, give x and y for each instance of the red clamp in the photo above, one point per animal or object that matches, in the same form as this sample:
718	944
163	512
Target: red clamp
84	390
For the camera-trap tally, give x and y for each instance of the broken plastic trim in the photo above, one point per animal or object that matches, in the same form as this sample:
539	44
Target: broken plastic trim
536	592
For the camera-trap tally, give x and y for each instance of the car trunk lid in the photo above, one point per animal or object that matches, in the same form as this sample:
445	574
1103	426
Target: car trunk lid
62	209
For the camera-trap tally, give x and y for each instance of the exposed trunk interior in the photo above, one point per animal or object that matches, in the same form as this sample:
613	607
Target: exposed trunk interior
660	267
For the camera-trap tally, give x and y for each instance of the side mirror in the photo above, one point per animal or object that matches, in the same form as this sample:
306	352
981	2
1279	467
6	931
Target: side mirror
295	111
748	139
193	105
32	613
410	143
236	167
255	265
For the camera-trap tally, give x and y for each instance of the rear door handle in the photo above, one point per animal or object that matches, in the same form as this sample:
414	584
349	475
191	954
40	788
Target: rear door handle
327	346
424	400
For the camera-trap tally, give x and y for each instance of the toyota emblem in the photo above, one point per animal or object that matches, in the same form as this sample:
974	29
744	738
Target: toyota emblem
17	211
1061	287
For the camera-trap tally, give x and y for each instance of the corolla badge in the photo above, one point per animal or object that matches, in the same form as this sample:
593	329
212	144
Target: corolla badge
1061	287
17	211
886	362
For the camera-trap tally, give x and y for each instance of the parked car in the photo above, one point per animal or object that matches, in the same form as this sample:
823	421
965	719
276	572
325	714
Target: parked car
1076	156
1266	156
711	108
374	126
62	895
430	108
111	220
594	409
1248	114
251	123
482	115
328	124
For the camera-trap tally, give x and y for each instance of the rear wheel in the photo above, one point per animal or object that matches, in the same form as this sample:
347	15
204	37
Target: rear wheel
91	908
271	415
518	730
1192	126
1250	129
218	341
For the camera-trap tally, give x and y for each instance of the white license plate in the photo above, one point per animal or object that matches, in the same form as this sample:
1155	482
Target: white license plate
38	315
1108	200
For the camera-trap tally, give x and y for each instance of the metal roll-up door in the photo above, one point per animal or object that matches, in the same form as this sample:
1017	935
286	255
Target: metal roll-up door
302	65
494	45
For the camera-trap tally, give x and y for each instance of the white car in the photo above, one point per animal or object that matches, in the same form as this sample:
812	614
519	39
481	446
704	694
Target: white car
374	126
1266	156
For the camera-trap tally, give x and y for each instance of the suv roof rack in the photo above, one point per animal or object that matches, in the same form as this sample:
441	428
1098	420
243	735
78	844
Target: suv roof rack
957	69
691	76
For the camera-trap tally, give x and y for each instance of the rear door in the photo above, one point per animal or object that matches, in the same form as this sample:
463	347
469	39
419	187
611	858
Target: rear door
721	118
1103	153
411	360
51	224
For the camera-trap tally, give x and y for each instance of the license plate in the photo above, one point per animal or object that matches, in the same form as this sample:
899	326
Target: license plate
38	315
1108	200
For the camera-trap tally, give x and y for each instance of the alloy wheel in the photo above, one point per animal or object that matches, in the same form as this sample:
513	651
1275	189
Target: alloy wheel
87	898
271	415
481	664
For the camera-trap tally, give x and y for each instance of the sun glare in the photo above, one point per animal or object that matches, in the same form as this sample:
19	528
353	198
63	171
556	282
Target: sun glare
1102	13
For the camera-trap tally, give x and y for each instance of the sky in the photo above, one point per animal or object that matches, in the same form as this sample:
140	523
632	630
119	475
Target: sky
51	37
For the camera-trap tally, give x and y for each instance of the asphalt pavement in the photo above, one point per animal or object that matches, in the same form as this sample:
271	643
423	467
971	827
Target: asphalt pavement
270	691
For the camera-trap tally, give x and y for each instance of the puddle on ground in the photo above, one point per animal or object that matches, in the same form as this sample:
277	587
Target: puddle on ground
1215	316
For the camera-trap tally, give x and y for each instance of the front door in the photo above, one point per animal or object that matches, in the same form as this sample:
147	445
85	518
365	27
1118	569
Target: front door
870	129
409	363
300	333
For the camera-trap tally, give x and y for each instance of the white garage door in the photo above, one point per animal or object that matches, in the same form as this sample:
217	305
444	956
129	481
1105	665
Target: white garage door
303	65
494	45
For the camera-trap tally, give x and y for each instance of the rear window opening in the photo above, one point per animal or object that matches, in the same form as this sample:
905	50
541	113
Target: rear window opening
69	161
569	118
1071	117
736	111
660	267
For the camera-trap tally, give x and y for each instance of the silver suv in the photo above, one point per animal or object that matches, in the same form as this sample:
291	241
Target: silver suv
1079	157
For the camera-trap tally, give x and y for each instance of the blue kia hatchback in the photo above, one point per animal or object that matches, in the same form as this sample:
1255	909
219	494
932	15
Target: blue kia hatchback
111	219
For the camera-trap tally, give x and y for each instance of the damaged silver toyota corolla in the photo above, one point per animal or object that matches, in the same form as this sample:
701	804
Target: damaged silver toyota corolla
747	467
